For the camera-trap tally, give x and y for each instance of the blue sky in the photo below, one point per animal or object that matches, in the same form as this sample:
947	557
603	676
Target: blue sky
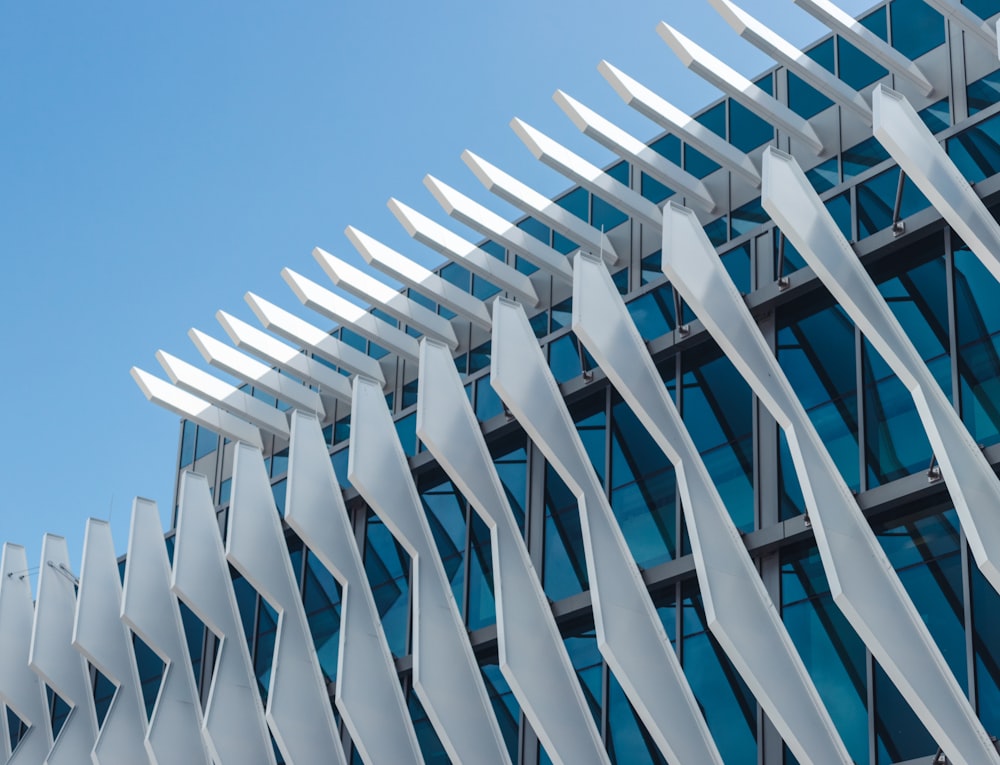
157	161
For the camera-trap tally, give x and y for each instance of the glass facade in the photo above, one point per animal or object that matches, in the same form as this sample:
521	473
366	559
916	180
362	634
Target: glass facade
945	300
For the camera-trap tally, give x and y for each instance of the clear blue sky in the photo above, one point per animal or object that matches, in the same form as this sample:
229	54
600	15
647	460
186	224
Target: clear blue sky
158	160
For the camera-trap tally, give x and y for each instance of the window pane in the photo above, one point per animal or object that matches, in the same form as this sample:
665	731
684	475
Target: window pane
916	27
976	150
747	130
388	569
803	99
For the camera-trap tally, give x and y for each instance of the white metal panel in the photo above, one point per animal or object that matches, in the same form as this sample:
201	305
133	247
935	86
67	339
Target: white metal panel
298	708
488	223
21	690
54	658
415	276
913	146
646	102
292	360
100	636
190	407
466	254
591	177
782	51
867	42
253	372
371	290
738	609
862	581
630	635
336	308
539	206
446	677
628	147
533	658
368	693
175	735
305	335
222	394
731	82
234	717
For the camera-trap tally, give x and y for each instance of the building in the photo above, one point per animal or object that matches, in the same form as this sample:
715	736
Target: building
823	498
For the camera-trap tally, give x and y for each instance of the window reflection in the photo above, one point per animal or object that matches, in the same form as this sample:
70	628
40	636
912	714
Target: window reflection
388	567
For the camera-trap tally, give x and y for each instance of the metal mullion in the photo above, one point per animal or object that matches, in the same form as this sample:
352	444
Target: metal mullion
859	343
467	560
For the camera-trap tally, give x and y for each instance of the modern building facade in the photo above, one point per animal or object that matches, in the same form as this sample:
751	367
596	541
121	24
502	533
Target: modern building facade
693	463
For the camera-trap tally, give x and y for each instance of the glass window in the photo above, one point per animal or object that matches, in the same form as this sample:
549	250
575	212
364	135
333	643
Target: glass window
643	489
505	706
267	627
824	176
729	707
188	432
803	99
207	442
834	655
455	274
976	150
628	741
488	403
653	313
565	358
388	567
877	200
718	230
937	116
737	265
511	462
321	596
718	410
581	644
863	156
406	429
482	606
856	69
916	27
605	216
430	745
669	147
279	490
150	668
747	131
652	189
576	202
839	208
564	569
817	353
986	648
984	9
697	163
446	513
977	303
340	460
748	217
536	229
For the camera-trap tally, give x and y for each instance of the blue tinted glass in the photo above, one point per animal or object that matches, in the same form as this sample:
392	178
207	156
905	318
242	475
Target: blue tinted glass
916	27
697	163
586	659
483	289
488	404
279	490
620	172
564	358
824	176
790	499
494	249
339	460
321	596
446	514
150	668
786	258
562	244
456	274
430	745
984	9
576	202
729	707
986	648
717	408
188	431
479	357
856	69
604	216
279	463
748	217
937	116
512	467
536	229
863	156
353	339
899	735
766	83
976	150
718	231
482	606
104	691
194	634
267	624
524	266
564	569
406	429
877	22
652	268
207	442
839	208
505	706
877	200
621	281
803	99
669	146
833	653
737	265
747	130
388	568
627	739
977	301
653	313
590	420
652	189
